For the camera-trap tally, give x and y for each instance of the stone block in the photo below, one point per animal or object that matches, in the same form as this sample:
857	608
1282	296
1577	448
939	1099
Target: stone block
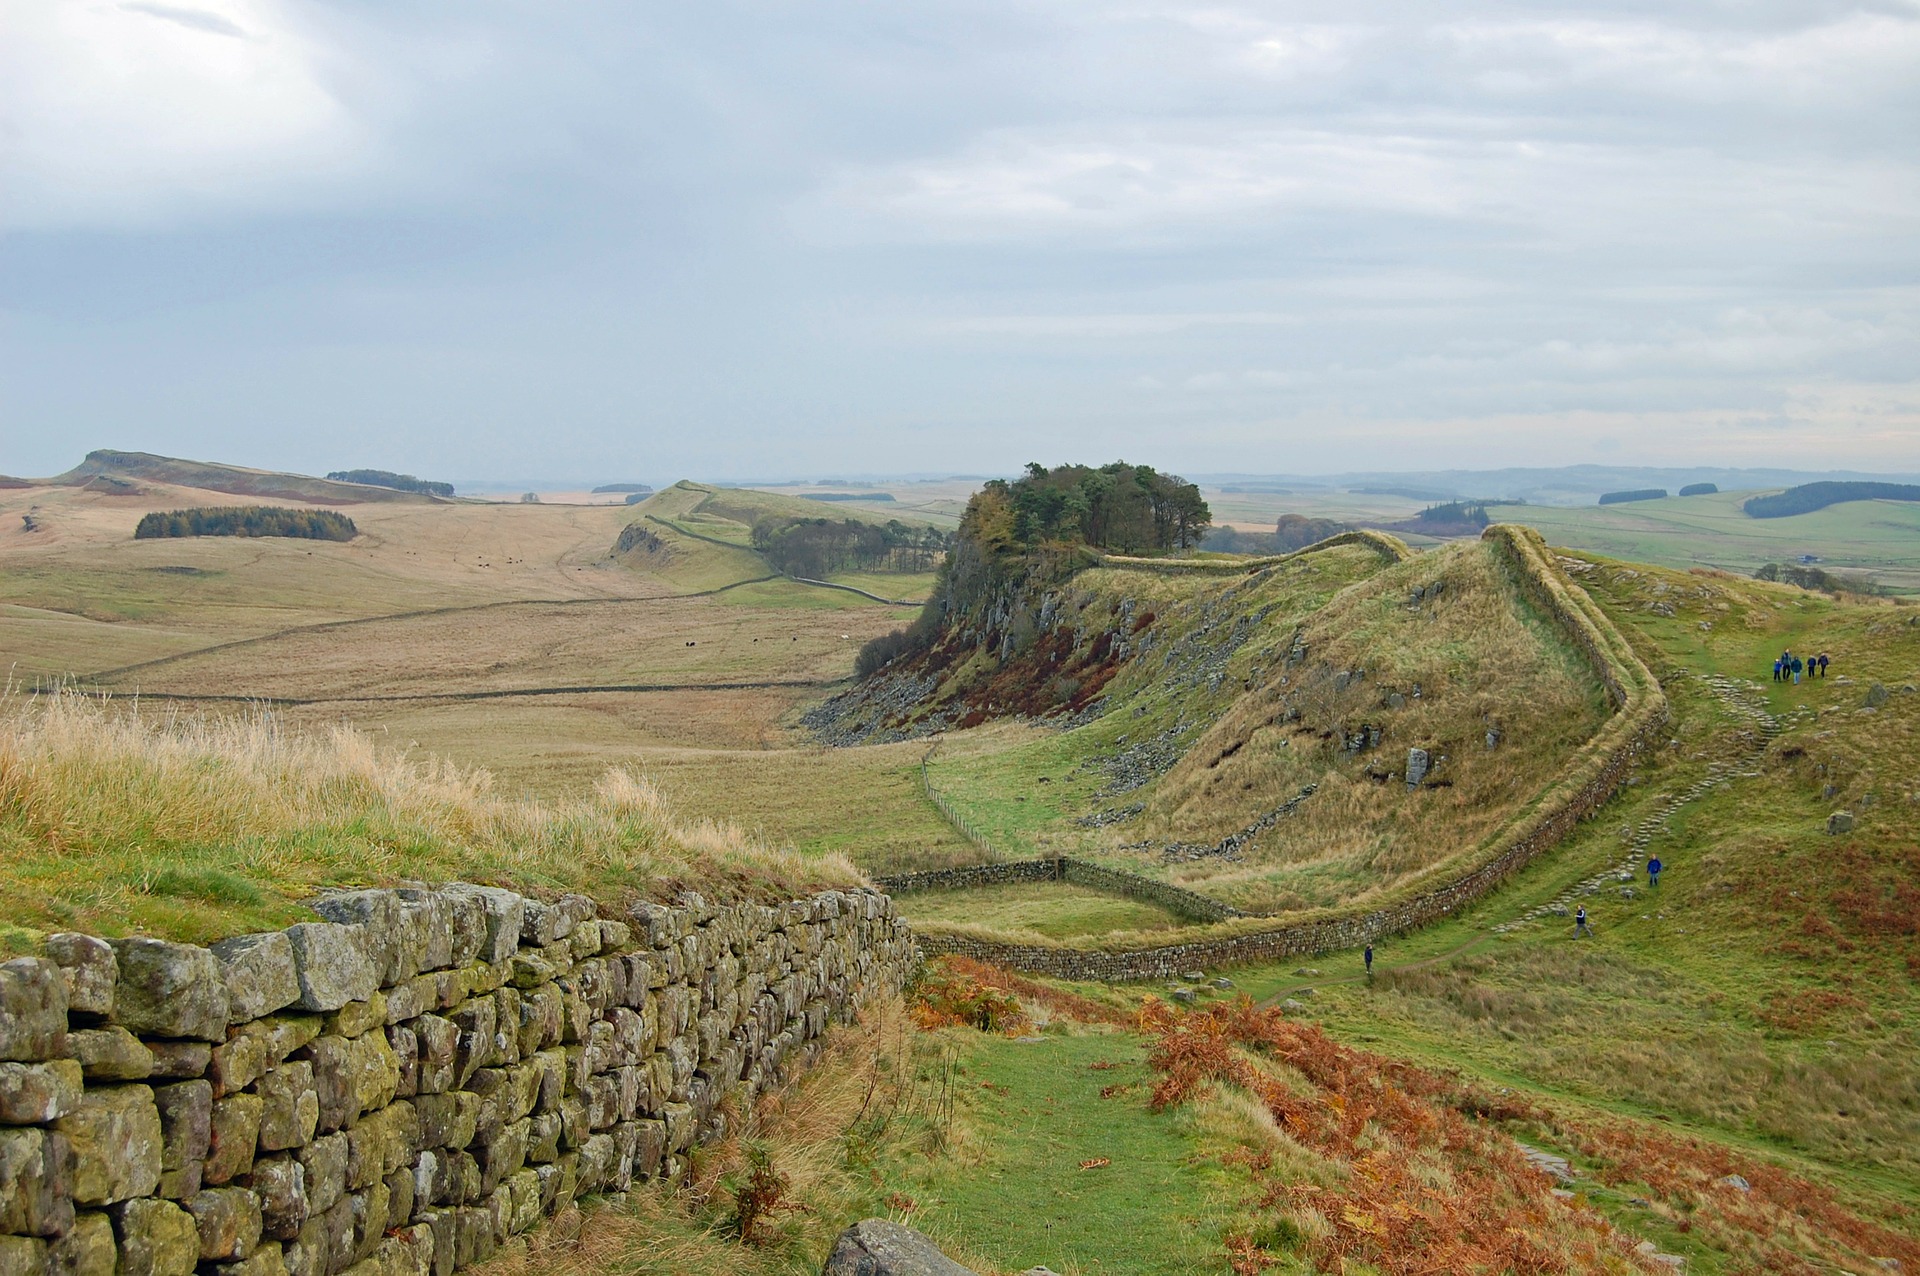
281	1184
369	1215
378	914
180	1060
260	973
449	1119
157	1238
351	1076
228	1220
290	1108
357	1017
36	1093
115	1134
22	1256
238	1063
88	1248
332	964
33	1010
234	1139
169	990
89	970
400	1197
110	1054
325	1160
266	1260
36	1182
438	1040
504	911
186	1133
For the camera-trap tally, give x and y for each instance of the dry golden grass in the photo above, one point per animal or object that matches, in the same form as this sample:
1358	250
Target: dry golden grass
196	827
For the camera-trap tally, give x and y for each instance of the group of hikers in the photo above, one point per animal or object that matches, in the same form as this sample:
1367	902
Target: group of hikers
1789	666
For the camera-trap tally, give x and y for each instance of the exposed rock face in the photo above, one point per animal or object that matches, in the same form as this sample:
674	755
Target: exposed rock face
881	1247
404	1087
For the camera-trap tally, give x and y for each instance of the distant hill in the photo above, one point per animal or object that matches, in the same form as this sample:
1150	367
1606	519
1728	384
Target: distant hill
1553	485
237	480
606	489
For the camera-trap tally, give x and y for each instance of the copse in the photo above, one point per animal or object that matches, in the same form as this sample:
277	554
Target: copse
1637	494
387	478
1809	497
1131	508
818	547
1699	489
247	520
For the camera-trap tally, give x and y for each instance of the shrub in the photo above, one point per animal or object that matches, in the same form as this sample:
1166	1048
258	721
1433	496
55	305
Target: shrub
247	520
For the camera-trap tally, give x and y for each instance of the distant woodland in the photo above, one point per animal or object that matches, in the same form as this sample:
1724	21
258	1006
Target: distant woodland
247	520
387	478
1809	497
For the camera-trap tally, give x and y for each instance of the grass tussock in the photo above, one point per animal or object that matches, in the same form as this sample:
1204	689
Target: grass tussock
116	821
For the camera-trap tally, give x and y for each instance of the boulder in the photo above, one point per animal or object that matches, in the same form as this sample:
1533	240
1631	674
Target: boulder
881	1247
1840	822
260	974
115	1133
88	966
169	990
36	1093
1877	696
1419	762
332	964
157	1238
33	1010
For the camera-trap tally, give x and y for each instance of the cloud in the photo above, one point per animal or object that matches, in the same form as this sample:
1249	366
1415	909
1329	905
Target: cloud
192	19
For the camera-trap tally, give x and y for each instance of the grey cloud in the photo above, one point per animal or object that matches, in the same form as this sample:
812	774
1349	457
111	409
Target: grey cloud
193	19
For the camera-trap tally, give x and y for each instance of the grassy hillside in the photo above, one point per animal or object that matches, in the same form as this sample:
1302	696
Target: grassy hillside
114	823
1197	705
108	470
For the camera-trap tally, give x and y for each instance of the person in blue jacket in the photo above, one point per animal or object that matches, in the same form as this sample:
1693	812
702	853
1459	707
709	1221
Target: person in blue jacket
1653	871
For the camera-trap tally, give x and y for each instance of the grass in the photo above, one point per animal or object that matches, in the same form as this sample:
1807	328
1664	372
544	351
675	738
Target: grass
1875	537
1057	910
1028	1114
194	829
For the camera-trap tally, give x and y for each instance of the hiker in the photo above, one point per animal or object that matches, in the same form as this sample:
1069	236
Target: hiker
1653	871
1580	926
1821	660
1776	668
1796	671
1368	957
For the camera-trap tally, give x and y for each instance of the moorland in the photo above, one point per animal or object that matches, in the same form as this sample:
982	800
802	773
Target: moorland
635	699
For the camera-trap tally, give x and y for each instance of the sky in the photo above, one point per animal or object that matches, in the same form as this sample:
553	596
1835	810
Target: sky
762	240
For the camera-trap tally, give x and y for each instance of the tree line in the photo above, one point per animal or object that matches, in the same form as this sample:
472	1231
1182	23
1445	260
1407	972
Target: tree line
398	482
1809	497
247	520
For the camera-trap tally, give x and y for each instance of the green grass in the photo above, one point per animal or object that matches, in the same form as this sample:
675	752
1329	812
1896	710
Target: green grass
1058	910
1030	1112
1881	538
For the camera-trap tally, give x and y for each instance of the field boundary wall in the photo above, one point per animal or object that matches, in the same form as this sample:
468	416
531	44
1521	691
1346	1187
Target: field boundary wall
401	1088
1061	868
1597	771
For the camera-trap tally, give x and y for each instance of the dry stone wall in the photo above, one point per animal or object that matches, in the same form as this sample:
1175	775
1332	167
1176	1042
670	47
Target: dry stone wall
397	1090
1061	868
